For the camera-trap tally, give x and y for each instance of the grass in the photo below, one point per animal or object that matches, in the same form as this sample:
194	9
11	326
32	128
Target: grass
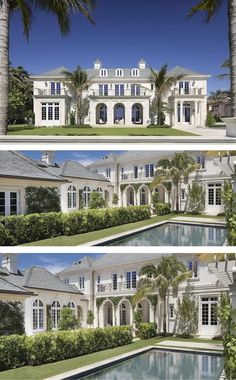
52	369
107	232
132	131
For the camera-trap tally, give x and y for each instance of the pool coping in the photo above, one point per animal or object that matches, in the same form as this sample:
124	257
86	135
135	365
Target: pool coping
86	370
176	220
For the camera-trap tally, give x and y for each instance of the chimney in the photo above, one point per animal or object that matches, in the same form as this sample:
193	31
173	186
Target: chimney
10	262
49	158
97	65
142	64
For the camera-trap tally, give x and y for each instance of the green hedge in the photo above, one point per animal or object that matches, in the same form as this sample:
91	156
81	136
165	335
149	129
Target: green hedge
230	357
22	229
162	208
232	230
147	330
17	351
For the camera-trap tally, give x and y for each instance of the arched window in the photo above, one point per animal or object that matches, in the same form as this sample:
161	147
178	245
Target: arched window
71	305
37	315
143	196
135	72
86	196
71	197
119	72
103	73
99	190
56	311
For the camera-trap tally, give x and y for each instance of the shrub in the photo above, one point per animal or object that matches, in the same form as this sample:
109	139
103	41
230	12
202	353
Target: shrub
210	120
230	357
162	208
42	199
11	318
90	317
232	230
115	199
97	201
67	319
159	126
196	198
6	238
13	352
147	330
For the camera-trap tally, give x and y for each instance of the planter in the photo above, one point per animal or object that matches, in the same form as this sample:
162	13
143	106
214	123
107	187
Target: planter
230	126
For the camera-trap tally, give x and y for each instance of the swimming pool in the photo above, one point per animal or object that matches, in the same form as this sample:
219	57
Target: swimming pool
174	234
162	365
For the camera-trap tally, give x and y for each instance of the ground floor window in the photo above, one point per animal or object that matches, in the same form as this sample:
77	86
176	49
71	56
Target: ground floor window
8	203
209	312
86	196
56	312
71	305
214	194
50	111
37	315
71	197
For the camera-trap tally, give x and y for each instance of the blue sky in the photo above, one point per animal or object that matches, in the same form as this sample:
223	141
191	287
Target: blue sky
125	31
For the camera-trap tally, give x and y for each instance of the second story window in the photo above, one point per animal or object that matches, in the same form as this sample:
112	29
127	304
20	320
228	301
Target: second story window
103	73
119	90
135	89
81	282
114	281
119	73
131	280
184	88
149	170
103	89
55	88
135	172
108	172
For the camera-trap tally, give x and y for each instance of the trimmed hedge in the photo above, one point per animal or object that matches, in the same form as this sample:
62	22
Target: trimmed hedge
162	208
232	230
230	357
147	330
17	351
22	229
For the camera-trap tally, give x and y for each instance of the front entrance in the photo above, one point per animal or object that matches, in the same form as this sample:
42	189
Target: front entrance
119	114
137	114
187	113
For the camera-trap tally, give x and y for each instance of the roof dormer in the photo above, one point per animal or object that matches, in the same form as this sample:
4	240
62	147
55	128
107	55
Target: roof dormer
135	72
103	72
119	72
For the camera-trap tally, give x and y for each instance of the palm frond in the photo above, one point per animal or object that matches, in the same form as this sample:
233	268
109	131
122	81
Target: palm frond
209	7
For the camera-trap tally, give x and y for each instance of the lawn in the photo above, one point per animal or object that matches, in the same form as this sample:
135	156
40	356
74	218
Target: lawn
52	369
14	130
107	232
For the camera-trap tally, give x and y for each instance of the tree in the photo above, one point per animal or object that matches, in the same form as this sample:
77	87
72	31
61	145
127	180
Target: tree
97	200
90	318
162	84
211	8
195	198
225	65
169	273
62	9
20	95
180	166
77	81
187	314
42	199
67	319
228	199
11	318
224	313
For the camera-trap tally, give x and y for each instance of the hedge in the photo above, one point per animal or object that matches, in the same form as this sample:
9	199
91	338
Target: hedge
22	229
230	357
17	351
162	208
232	230
147	330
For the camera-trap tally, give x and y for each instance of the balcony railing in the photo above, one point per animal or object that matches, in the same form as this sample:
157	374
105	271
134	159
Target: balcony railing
189	91
120	286
132	177
49	92
113	93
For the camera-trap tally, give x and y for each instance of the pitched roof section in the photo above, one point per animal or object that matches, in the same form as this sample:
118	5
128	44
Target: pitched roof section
74	169
7	287
109	159
177	70
85	263
52	73
14	164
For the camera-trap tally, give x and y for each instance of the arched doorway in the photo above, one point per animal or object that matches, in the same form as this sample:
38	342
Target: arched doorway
107	314
143	196
143	308
119	114
101	114
130	196
160	190
137	114
124	313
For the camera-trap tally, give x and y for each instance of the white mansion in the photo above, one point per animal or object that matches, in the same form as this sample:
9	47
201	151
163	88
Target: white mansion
106	285
127	174
120	96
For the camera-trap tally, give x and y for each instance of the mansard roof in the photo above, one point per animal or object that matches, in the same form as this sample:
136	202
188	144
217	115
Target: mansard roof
15	164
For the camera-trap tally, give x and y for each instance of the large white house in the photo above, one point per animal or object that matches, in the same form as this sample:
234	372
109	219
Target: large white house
127	174
106	285
120	97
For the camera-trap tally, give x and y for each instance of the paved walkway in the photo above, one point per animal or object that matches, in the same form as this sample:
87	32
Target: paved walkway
206	132
203	346
198	220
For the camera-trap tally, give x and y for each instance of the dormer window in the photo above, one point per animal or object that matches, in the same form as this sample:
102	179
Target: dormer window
135	72
119	73
103	73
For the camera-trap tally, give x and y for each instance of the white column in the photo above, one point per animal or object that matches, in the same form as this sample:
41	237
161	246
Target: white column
181	112
175	115
110	113
128	114
92	114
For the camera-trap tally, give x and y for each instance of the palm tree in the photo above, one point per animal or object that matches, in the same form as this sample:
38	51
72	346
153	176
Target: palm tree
178	167
225	65
169	274
162	84
77	81
62	9
211	8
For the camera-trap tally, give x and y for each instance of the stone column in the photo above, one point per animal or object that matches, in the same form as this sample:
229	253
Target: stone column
175	115
128	114
110	113
181	112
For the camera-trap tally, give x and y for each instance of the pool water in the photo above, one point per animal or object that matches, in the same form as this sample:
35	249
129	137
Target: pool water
174	234
163	365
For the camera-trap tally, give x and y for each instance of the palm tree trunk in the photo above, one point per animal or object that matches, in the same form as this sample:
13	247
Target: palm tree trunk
177	198
4	64
232	49
164	315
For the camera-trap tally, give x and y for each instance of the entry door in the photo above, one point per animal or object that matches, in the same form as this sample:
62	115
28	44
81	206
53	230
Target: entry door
187	113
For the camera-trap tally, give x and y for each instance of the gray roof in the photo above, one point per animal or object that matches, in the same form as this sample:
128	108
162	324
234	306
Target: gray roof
177	70
75	169
39	278
7	287
14	164
54	72
108	159
85	263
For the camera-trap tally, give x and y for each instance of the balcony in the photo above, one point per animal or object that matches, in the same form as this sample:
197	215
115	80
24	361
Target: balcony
126	93
127	177
120	286
48	92
188	92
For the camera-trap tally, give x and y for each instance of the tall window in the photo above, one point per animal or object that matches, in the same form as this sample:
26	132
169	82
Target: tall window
103	89
55	88
135	172
184	86
103	73
149	170
86	196
214	194
8	203
108	172
81	282
71	197
71	305
37	315
50	111
99	190
135	89
119	90
131	280
56	312
135	72
114	281
209	311
119	73
143	200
